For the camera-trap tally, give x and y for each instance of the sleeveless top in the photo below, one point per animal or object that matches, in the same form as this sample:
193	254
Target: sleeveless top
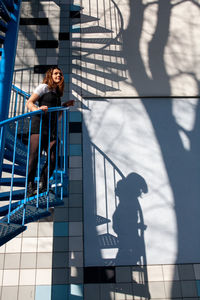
50	99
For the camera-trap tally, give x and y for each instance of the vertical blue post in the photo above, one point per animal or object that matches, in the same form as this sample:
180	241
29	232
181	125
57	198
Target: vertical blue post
6	69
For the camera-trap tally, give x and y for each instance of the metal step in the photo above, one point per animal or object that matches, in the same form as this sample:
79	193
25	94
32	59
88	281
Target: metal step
32	214
2	39
18	170
16	181
42	202
4	13
18	159
16	195
9	4
9	231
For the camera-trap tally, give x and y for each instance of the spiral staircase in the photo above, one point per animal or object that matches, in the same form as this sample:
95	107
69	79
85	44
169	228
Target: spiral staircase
16	208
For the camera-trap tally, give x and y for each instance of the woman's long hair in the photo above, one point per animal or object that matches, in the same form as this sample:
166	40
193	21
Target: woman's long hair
51	84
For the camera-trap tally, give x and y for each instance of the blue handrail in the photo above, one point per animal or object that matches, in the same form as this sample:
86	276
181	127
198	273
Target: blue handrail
33	207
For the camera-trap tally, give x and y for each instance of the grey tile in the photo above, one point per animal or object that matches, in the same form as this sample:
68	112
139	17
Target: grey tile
75	214
61	214
107	291
75	200
75	138
26	293
173	289
45	229
141	291
189	288
1	261
75	173
186	272
12	261
31	230
28	260
75	259
60	260
60	244
156	289
194	298
75	243
90	290
9	293
138	274
197	271
123	291
75	228
75	187
75	275
44	260
75	161
123	274
60	276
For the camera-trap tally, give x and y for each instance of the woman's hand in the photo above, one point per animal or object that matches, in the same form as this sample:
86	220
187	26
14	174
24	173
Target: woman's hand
43	107
68	103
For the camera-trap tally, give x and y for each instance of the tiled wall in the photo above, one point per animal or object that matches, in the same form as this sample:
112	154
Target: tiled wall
46	262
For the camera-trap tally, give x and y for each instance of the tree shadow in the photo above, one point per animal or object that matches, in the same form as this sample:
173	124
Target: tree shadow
182	165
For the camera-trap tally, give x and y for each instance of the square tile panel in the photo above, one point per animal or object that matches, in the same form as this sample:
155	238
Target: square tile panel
43	276
45	244
9	293
43	292
27	277
10	277
44	260
26	293
12	261
28	261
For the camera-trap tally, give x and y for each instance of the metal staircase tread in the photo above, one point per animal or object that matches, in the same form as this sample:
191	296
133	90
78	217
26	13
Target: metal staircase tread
16	195
16	181
9	231
18	159
32	214
18	170
42	202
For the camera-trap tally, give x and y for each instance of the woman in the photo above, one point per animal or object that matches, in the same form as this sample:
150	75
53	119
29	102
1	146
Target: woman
47	95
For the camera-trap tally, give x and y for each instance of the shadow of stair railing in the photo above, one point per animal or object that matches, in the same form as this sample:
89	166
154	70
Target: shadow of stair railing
16	208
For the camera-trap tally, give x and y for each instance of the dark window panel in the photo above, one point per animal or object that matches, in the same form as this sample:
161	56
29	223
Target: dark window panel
75	14
41	69
46	44
64	36
99	275
34	21
75	127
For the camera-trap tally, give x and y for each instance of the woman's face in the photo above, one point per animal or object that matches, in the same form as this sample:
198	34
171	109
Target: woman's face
56	76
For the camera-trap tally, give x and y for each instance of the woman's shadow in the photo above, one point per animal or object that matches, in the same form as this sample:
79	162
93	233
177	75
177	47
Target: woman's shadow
128	221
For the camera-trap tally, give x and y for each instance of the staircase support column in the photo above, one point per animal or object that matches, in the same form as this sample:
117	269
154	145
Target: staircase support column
7	63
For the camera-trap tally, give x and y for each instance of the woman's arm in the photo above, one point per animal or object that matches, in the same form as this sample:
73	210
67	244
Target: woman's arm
31	103
68	103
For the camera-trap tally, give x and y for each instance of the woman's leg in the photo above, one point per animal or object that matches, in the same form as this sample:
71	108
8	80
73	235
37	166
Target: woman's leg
33	160
44	174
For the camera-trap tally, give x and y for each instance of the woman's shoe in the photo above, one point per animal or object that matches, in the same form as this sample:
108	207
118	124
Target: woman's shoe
31	189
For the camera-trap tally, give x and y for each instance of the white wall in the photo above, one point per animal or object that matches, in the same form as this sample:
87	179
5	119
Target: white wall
131	50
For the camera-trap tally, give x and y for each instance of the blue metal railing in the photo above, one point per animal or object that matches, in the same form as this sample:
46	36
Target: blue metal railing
27	209
17	102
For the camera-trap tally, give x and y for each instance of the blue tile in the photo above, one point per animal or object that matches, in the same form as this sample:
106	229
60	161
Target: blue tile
75	150
61	229
43	292
60	292
76	292
75	116
198	287
75	7
66	77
